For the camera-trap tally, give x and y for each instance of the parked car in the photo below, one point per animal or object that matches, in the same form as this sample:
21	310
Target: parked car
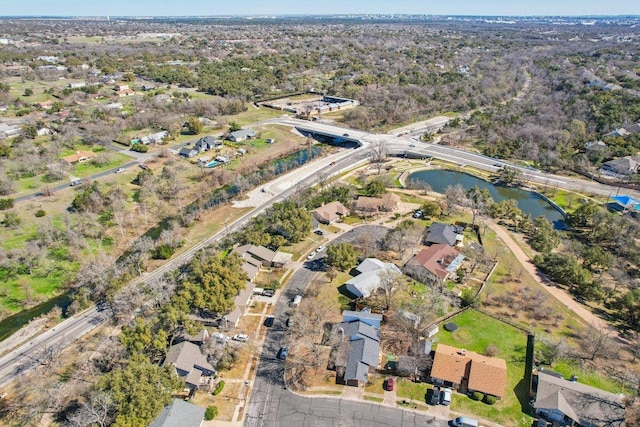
332	163
446	396
221	338
283	353
268	293
76	182
120	170
143	166
345	134
241	337
311	255
435	397
464	422
319	232
320	248
268	322
390	384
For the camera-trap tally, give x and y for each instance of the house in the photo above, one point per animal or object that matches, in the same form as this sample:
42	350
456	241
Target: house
567	402
444	233
179	414
207	143
371	319
624	166
331	212
223	159
78	85
468	371
121	86
241	135
368	206
148	86
369	280
8	131
79	157
594	146
191	365
188	152
264	256
199	339
358	350
437	262
631	128
44	131
241	302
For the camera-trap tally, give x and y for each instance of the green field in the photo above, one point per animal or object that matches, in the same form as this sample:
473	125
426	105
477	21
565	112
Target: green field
477	331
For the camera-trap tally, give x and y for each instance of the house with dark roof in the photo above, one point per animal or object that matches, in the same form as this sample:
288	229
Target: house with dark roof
437	262
358	349
191	365
623	166
189	152
265	256
179	414
369	280
566	402
207	143
331	212
241	135
468	371
240	302
448	234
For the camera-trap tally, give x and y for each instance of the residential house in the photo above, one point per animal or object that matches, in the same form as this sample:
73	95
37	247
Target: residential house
148	86
77	85
44	132
207	143
331	212
369	278
199	339
188	152
438	262
9	131
153	138
223	159
241	302
623	166
444	233
358	348
179	414
631	128
368	206
566	402
78	157
191	365
468	371
264	256
241	135
121	86
366	316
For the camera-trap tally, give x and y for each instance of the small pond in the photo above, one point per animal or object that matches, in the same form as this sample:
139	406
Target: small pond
528	202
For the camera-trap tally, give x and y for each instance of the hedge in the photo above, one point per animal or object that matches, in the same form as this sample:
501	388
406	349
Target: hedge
476	395
489	400
219	388
210	413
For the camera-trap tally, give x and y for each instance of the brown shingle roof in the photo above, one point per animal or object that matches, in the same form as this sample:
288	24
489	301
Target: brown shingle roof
330	212
436	258
485	374
79	156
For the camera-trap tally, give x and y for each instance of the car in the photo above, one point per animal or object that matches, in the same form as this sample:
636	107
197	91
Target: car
345	134
332	163
412	145
270	140
268	322
435	397
283	352
319	232
241	337
320	248
221	338
390	384
541	423
76	182
143	166
268	293
120	170
464	422
311	255
289	322
445	399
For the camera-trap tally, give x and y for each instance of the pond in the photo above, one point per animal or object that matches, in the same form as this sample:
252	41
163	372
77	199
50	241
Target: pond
528	202
13	323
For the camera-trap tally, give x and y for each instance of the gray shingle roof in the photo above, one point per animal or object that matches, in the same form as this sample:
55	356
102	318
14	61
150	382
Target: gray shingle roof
364	349
187	357
442	233
179	414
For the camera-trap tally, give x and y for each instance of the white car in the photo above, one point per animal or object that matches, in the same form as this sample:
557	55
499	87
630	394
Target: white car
222	338
311	255
241	337
320	248
120	170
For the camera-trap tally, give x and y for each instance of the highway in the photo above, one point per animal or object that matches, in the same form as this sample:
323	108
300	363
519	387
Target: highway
28	355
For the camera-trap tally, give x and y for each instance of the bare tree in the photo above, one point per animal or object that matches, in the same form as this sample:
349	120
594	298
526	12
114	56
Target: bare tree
379	151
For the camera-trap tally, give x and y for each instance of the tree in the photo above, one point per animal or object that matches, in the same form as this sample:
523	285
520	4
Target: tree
375	187
585	215
139	390
379	151
391	283
479	200
289	221
431	209
28	92
509	175
342	256
194	125
405	236
542	236
234	126
551	350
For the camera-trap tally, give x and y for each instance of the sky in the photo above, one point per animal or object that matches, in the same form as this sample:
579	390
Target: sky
289	7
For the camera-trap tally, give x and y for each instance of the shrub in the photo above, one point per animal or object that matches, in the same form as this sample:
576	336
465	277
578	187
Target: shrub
491	351
489	400
210	413
476	395
139	148
40	213
219	388
6	204
163	251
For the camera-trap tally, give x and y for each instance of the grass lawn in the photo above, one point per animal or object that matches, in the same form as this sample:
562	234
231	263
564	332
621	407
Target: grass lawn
87	169
302	247
374	399
253	115
411	390
375	385
477	331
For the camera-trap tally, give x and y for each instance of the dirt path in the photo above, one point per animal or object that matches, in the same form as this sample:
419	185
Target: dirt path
557	293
